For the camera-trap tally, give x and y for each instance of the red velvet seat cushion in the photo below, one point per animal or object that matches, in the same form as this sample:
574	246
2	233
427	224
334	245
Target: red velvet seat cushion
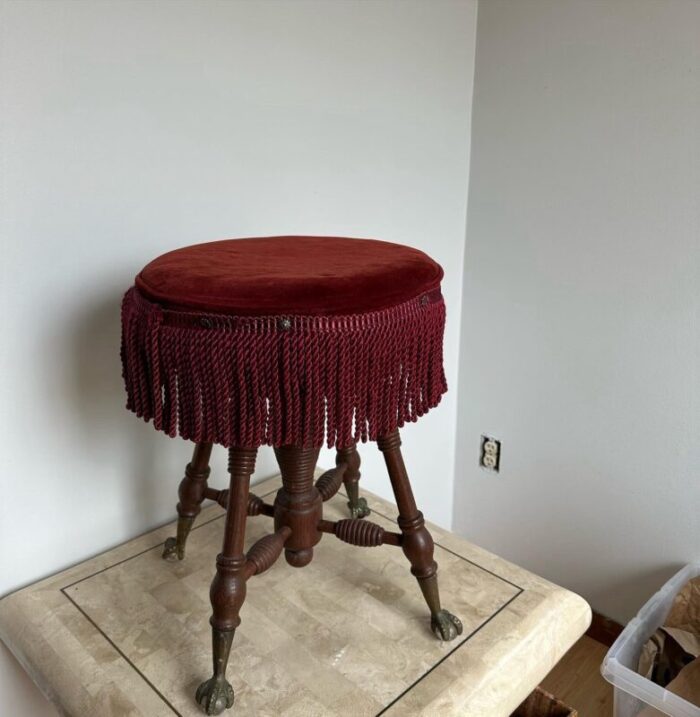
289	275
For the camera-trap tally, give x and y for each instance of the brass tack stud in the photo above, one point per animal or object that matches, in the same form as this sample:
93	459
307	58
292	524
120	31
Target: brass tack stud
285	324
206	323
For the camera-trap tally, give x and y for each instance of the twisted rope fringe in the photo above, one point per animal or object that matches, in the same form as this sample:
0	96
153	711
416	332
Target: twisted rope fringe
249	381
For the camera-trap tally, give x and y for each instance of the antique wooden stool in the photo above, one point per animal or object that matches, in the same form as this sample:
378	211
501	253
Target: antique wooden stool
289	342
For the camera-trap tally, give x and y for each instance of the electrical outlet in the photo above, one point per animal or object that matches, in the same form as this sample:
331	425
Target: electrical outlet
490	457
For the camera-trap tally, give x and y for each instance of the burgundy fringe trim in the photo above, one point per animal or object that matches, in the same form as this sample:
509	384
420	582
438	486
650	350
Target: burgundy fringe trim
249	381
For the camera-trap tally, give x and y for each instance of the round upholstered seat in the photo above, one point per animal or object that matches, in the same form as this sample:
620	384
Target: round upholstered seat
289	275
284	340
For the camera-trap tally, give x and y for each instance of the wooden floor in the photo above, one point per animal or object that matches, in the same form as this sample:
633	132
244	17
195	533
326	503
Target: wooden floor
577	681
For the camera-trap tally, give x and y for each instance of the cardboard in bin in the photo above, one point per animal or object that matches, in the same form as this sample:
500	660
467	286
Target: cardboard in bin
634	692
670	656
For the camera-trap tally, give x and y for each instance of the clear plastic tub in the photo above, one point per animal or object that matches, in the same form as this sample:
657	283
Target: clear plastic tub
632	691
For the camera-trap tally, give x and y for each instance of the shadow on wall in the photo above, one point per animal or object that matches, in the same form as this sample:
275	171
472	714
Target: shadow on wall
150	464
109	433
626	592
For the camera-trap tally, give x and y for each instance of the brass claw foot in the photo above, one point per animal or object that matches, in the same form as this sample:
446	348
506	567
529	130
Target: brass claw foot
172	551
445	625
175	547
215	695
359	508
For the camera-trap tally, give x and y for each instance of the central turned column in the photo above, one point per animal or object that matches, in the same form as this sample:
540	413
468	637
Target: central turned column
298	504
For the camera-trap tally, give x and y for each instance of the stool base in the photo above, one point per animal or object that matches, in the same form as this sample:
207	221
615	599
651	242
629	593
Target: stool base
299	526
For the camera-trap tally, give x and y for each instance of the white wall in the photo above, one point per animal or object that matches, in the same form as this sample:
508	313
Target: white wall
581	333
130	128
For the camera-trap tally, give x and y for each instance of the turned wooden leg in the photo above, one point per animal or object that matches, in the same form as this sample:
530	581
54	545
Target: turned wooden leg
228	588
298	504
351	479
417	543
191	494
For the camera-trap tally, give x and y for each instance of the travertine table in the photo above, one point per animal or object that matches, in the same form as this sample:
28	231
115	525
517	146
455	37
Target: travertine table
127	633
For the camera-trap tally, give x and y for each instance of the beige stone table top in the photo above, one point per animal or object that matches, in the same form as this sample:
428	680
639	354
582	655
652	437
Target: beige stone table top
126	633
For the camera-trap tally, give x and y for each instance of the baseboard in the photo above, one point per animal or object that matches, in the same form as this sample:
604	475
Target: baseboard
603	629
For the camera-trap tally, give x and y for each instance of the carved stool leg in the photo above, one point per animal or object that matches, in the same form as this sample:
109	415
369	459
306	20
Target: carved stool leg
351	479
191	493
298	504
228	588
417	543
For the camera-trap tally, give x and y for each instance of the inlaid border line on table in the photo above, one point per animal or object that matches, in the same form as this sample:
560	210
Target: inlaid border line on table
520	589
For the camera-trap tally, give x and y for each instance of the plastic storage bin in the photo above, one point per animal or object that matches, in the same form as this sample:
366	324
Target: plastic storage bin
632	691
